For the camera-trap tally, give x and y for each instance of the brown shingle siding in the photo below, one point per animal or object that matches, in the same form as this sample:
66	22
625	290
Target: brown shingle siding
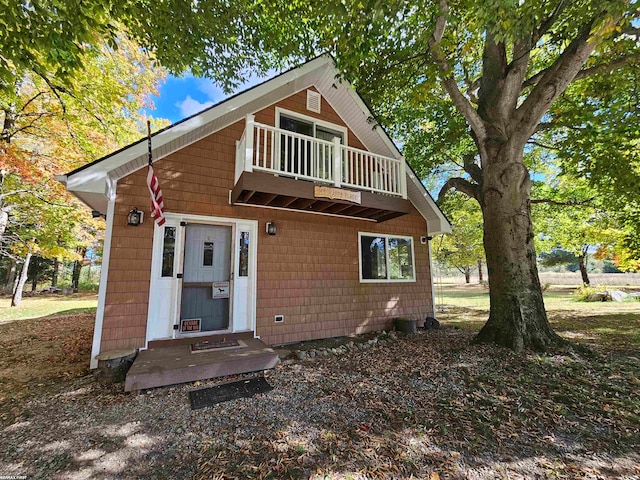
308	272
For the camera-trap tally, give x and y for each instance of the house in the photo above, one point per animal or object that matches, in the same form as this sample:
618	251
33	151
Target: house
289	217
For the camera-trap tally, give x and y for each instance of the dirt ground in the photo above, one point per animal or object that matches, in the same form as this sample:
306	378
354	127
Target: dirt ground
424	406
38	356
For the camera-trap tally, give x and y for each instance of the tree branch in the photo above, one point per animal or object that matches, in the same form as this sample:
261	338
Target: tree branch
461	185
472	168
15	192
459	100
29	102
555	80
568	203
587	72
548	22
38	196
542	145
608	67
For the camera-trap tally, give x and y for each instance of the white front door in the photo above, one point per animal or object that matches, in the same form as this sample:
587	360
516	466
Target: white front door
192	255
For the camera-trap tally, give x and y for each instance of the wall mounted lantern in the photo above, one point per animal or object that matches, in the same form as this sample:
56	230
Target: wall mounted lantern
271	228
135	217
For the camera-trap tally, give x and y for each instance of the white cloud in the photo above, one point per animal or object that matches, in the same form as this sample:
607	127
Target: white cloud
189	106
213	92
210	89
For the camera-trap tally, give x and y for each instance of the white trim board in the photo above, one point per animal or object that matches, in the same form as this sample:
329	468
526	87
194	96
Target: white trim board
164	331
102	288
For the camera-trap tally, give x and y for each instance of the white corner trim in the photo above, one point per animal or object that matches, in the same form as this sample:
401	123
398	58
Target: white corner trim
433	285
102	289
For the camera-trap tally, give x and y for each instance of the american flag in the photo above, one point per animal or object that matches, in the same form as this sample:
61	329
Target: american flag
157	205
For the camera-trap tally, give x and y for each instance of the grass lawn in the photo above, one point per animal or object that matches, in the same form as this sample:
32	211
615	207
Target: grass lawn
602	325
45	305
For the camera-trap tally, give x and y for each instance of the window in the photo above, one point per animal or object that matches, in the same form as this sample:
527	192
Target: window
295	153
207	260
386	258
300	156
168	251
243	268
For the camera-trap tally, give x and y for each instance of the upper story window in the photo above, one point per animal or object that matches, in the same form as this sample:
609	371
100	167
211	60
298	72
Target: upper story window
301	156
386	258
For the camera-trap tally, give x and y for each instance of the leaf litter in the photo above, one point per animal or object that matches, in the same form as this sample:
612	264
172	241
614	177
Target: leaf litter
426	406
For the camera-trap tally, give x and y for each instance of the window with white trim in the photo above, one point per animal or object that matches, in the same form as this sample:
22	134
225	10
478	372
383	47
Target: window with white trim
301	156
386	258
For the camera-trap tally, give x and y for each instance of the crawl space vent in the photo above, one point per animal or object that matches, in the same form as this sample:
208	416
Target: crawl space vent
313	101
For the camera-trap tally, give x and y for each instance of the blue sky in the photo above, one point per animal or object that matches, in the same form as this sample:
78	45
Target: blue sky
180	97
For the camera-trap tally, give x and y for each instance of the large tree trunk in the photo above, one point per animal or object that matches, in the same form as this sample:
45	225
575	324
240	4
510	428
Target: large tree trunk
480	279
34	277
583	267
56	272
11	276
17	294
517	317
467	274
77	266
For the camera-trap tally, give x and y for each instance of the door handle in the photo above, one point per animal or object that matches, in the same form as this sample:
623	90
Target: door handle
178	275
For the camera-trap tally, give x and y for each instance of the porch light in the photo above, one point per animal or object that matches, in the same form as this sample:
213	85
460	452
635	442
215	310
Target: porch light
135	217
271	228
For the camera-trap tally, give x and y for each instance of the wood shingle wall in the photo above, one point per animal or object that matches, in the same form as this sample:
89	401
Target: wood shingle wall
308	272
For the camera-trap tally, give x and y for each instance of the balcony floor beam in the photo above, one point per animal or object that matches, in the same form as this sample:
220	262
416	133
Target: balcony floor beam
265	189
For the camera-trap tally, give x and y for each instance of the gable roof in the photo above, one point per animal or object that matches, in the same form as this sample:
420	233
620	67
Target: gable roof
92	183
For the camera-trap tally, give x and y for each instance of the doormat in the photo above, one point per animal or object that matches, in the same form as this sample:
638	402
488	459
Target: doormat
208	345
205	397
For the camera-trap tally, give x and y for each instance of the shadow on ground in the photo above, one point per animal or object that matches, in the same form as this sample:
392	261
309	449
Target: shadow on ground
421	405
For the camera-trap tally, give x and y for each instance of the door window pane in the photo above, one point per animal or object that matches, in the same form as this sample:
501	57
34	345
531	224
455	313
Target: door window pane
243	268
208	254
168	251
327	134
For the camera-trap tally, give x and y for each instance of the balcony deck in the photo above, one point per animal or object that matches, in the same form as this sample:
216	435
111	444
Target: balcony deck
259	188
277	168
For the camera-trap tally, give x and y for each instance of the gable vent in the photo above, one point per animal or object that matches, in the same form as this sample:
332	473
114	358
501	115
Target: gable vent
313	101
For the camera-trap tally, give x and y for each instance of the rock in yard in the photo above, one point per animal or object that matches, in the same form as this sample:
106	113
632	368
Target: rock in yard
598	297
617	295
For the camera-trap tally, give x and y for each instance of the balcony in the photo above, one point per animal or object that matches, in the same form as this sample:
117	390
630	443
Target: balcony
282	169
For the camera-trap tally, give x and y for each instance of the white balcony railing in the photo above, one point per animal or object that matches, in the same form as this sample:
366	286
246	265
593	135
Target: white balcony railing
281	152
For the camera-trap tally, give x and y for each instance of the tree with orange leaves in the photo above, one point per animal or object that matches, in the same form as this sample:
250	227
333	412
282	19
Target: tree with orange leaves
50	127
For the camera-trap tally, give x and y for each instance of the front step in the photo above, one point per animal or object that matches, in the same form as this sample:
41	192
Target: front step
171	365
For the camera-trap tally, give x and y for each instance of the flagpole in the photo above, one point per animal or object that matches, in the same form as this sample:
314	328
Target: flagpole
149	141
